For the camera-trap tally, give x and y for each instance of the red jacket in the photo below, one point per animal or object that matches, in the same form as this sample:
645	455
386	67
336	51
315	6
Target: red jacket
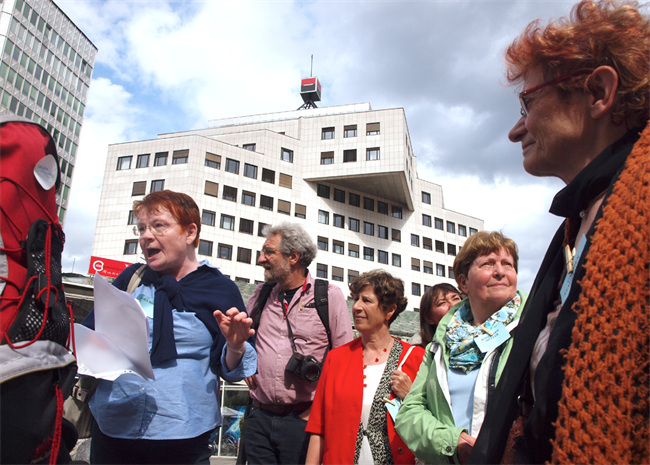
336	411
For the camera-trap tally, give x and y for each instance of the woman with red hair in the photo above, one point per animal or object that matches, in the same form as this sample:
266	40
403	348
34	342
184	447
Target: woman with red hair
575	389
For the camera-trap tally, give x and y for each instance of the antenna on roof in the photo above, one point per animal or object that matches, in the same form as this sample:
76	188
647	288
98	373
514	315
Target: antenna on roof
310	90
311	71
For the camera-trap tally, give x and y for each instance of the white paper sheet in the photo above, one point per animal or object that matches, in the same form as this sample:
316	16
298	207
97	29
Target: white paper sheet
120	342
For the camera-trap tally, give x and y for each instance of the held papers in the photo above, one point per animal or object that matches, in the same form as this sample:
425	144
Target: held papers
120	342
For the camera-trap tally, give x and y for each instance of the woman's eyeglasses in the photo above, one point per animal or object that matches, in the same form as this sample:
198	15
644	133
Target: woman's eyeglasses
157	229
526	93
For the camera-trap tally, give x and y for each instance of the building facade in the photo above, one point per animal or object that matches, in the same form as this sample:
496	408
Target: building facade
45	73
347	174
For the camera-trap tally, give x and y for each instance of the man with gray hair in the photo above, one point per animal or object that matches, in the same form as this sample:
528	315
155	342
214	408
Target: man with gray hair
289	326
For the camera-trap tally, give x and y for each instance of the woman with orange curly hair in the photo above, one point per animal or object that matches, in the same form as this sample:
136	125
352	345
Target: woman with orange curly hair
576	384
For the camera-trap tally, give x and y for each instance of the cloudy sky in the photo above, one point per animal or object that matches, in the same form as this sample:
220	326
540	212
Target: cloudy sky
173	66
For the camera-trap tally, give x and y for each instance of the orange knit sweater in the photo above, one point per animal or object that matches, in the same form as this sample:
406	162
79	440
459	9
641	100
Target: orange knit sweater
603	413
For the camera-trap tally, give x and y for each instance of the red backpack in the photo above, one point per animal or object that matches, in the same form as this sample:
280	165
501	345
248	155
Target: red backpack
36	369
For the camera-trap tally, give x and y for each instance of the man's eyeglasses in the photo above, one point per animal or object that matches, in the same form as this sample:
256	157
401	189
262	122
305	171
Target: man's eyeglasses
524	94
269	252
157	229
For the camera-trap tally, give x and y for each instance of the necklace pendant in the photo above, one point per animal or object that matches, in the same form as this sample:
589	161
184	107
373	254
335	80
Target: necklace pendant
376	360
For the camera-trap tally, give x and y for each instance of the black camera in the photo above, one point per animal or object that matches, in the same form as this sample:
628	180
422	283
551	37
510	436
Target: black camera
304	366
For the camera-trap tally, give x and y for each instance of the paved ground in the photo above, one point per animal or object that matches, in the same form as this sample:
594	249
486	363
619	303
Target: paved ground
214	460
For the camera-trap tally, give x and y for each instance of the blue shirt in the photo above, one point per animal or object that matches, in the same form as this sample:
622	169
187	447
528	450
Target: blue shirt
461	392
183	400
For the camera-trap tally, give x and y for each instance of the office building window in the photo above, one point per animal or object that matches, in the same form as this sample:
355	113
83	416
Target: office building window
286	155
350	131
338	221
382	207
224	252
426	197
349	155
284	207
440	246
212	160
372	154
180	157
338	247
415	289
124	163
372	129
397	260
248	198
354	199
230	193
337	273
427	243
323	217
369	254
462	230
439	224
352	275
451	227
301	211
227	222
245	226
426	220
472	231
321	271
160	159
353	250
211	188
250	147
131	247
415	264
266	202
327	133
205	247
339	195
323	191
326	158
451	249
396	235
369	204
250	171
382	232
428	267
285	180
232	166
268	176
132	219
368	228
354	224
244	255
323	243
396	212
143	161
382	257
440	270
242	280
450	272
415	240
157	185
208	217
139	188
260	229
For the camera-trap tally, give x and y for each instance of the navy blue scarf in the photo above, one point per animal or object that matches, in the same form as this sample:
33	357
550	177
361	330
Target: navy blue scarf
201	292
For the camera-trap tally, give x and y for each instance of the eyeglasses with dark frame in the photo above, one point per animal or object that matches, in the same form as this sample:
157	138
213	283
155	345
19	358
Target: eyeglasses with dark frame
525	93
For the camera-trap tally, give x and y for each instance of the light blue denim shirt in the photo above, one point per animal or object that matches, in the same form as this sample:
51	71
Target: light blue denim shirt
183	401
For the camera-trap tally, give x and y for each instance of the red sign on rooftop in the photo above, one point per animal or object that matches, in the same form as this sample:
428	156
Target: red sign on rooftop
106	266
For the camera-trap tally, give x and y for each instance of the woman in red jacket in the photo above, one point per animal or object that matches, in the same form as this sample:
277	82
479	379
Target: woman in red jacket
364	381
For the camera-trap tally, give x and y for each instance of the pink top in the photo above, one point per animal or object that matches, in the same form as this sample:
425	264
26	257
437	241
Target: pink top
274	384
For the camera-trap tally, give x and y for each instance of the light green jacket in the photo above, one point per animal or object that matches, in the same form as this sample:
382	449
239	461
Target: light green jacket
425	420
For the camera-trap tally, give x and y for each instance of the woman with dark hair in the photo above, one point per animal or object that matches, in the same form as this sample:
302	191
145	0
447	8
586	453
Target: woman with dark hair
364	381
443	413
435	303
170	419
577	380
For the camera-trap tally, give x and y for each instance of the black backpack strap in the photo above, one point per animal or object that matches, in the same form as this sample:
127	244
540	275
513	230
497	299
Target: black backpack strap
265	292
322	307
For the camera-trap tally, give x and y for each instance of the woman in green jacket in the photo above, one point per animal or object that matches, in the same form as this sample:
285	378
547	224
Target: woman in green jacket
442	414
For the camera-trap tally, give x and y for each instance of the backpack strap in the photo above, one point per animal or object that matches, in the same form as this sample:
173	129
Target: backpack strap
136	278
265	292
322	307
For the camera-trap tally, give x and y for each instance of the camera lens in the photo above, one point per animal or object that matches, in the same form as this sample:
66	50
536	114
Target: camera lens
311	371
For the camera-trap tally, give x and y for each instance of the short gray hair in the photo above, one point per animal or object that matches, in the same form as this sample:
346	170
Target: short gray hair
294	239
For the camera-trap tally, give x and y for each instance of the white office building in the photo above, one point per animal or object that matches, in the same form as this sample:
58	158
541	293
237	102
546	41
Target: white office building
45	73
347	174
